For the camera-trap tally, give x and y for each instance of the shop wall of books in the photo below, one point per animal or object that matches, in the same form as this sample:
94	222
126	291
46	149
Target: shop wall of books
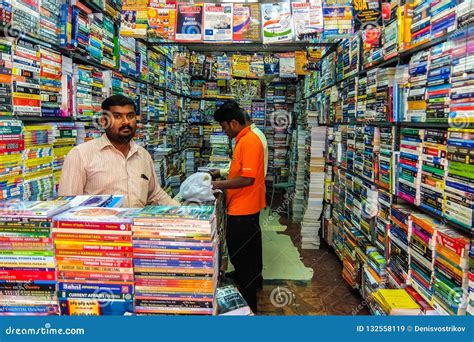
368	115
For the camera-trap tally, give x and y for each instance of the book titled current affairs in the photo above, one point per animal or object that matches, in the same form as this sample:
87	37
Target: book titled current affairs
95	218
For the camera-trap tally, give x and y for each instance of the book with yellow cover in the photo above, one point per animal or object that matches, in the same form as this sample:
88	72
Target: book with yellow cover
396	302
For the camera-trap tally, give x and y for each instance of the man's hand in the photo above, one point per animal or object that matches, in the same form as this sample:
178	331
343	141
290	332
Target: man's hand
215	173
215	185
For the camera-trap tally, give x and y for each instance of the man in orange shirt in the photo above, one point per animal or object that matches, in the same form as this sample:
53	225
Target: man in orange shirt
245	197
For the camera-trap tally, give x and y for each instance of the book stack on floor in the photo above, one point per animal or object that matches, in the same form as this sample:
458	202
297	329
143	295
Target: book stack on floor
12	144
175	260
38	183
301	166
394	302
27	262
311	221
450	281
93	248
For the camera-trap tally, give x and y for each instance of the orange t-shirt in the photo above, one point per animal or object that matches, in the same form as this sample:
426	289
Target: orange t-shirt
247	161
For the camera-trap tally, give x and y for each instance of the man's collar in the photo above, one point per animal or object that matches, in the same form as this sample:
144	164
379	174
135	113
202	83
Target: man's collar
242	133
104	142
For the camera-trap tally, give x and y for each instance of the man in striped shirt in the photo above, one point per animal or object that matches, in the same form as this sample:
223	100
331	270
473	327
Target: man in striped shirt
114	164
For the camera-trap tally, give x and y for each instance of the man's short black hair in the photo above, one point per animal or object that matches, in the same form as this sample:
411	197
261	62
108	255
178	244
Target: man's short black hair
230	110
118	100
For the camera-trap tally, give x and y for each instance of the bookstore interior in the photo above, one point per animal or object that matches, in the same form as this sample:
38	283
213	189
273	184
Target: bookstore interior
366	108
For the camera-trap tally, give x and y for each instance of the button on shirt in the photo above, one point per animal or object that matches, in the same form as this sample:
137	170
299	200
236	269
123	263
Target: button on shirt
248	160
98	168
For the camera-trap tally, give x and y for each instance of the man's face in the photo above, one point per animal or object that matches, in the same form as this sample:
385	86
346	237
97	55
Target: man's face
230	128
120	123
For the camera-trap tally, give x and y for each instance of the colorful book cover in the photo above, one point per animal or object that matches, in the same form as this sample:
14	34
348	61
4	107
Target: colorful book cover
189	23
96	214
183	212
217	22
247	22
240	65
276	23
161	20
307	19
134	23
271	64
287	65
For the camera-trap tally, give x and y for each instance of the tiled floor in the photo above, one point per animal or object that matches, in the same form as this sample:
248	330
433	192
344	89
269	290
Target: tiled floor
326	294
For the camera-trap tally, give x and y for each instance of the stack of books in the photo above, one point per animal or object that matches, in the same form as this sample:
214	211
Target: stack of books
258	114
25	16
219	143
28	272
410	162
461	111
459	192
361	99
6	66
385	159
374	272
49	20
422	244
96	46
371	102
390	33
80	19
384	96
109	44
12	144
312	216
64	139
87	131
26	97
443	18
420	31
397	270
93	247
142	61
126	58
416	96
99	91
175	260
349	99
371	147
339	200
38	182
50	82
301	164
142	108
394	302
382	221
450	281
83	104
439	83
433	170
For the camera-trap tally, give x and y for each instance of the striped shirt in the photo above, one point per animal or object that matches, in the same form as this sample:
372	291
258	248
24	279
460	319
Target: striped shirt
98	168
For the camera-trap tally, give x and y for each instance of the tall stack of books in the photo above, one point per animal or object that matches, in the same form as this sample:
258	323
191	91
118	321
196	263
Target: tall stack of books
386	163
6	66
64	139
93	247
390	33
416	97
126	58
50	82
384	96
28	272
382	221
339	200
38	183
96	46
300	161
422	244
361	99
410	162
349	99
459	192
49	20
80	35
26	16
26	97
12	144
312	216
443	18
83	90
450	281
219	143
371	104
461	109
108	29
439	83
397	270
433	170
420	22
142	61
374	272
175	260
371	147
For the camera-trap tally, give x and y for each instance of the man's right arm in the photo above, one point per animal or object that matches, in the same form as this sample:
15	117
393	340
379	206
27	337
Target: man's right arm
73	175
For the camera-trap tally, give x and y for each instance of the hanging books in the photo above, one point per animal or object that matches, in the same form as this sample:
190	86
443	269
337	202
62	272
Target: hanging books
307	19
189	23
161	20
247	22
217	22
287	65
276	23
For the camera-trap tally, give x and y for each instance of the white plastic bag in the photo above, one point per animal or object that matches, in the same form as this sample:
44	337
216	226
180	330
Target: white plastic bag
197	188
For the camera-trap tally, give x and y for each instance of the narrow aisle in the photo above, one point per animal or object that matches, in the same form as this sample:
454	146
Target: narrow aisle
297	291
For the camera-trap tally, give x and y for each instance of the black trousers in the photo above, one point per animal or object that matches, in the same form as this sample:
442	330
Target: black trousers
244	242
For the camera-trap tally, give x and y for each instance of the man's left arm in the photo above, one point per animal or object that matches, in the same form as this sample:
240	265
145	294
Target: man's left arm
156	195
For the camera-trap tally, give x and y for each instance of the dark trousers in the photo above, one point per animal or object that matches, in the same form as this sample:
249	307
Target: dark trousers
244	242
